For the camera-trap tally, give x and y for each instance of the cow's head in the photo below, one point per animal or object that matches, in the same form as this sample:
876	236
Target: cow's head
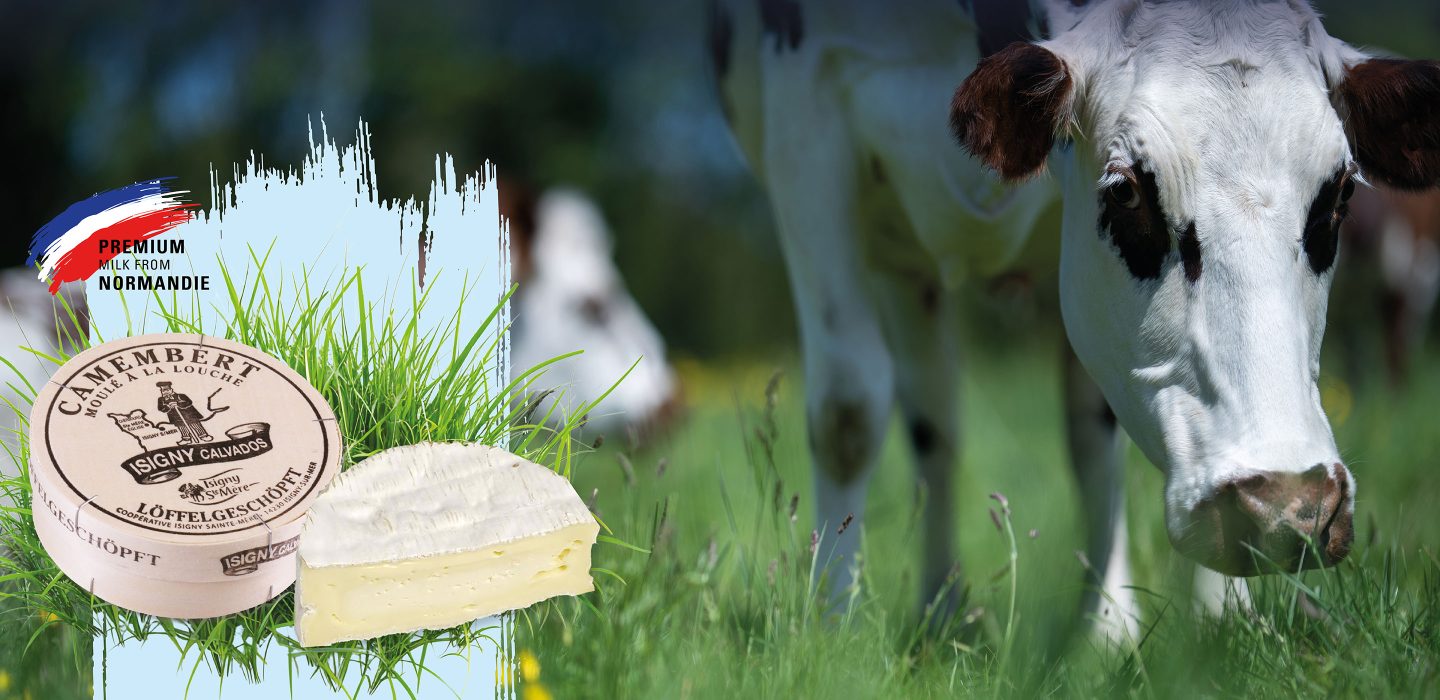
1212	147
571	297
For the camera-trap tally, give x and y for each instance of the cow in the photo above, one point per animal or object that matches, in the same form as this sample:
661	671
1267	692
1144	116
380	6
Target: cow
1392	272
570	296
1202	154
33	321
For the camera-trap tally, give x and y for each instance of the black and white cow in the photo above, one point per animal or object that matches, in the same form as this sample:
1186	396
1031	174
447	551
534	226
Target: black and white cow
570	296
1206	152
33	321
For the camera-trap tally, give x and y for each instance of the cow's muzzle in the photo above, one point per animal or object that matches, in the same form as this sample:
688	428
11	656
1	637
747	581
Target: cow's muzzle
1267	521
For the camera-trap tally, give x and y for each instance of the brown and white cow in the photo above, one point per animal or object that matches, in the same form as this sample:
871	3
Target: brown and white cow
1392	271
1205	154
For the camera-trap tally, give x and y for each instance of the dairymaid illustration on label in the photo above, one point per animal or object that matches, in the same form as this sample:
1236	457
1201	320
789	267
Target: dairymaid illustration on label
180	439
183	415
186	434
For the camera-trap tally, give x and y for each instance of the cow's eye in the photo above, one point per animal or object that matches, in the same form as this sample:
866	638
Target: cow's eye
1124	193
1321	237
592	309
1130	217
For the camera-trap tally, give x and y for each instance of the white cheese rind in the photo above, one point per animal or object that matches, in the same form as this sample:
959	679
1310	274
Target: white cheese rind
436	534
435	498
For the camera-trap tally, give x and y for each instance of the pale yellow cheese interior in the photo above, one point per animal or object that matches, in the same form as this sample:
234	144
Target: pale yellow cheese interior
337	603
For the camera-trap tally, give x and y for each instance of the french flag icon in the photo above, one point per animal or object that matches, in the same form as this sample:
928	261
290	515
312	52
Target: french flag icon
92	232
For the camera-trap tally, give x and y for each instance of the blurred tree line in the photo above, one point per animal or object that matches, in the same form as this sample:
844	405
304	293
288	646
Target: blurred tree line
613	98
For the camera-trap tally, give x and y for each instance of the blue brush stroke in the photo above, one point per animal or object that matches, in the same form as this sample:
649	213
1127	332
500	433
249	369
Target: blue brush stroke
79	211
344	227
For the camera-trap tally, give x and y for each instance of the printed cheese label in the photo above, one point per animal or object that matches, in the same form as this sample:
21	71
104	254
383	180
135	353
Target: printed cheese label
248	561
186	434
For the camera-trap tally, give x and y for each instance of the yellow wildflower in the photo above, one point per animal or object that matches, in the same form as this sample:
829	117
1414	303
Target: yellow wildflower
536	691
47	617
529	667
4	680
530	672
1336	398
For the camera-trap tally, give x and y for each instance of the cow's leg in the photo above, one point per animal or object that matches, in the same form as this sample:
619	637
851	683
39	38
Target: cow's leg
809	170
848	400
1096	456
921	331
1214	593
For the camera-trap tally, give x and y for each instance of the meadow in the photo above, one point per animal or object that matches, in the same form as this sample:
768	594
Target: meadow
391	379
706	587
721	604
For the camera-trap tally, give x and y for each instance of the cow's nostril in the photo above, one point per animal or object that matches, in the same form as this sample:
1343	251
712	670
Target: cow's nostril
1267	520
1340	531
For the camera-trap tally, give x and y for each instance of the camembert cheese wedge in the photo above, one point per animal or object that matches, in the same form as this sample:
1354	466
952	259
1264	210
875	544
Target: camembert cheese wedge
434	535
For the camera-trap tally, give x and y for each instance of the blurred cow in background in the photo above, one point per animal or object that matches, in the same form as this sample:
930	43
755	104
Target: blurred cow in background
1392	241
570	297
32	319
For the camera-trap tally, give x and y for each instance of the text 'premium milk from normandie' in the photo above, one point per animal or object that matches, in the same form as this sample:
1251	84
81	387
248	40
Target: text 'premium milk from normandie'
171	472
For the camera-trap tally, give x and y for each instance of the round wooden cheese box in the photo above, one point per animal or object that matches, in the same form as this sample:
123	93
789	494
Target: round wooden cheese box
171	472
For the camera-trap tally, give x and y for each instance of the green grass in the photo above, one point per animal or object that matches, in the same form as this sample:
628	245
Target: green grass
390	383
716	600
722	604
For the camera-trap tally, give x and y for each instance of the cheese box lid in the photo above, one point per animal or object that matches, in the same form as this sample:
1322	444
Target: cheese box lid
175	444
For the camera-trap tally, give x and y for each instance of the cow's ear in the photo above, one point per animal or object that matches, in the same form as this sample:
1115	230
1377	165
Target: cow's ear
1391	109
1008	111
